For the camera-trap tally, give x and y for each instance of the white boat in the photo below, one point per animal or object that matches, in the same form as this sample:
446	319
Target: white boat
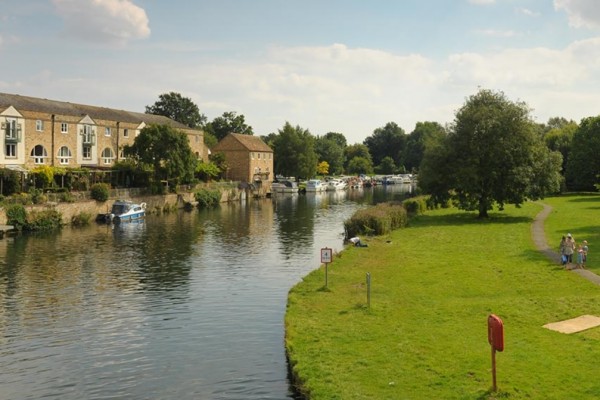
285	186
315	185
336	184
125	210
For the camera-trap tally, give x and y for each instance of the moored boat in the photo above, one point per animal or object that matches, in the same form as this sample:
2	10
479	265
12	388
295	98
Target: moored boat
285	186
315	185
336	184
125	210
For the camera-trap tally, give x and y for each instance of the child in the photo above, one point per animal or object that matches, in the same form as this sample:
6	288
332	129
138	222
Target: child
580	256
585	251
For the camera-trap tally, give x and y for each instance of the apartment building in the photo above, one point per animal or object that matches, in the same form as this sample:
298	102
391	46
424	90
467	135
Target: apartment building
57	133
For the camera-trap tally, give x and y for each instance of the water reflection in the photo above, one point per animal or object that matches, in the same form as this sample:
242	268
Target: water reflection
186	305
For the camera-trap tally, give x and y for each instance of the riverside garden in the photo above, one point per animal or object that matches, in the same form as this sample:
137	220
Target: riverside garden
434	282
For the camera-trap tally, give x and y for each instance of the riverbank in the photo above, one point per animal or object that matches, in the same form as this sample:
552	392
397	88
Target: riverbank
433	286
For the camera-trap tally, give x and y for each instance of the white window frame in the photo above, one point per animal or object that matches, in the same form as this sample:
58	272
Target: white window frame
86	152
108	158
63	158
39	159
64	127
39	125
107	131
10	150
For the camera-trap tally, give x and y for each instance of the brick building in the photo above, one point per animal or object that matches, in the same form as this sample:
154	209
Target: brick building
48	132
248	158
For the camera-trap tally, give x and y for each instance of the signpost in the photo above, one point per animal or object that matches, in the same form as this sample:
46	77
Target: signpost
496	341
326	258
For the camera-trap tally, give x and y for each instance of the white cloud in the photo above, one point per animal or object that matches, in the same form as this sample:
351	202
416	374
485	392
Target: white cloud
582	13
112	21
527	12
482	2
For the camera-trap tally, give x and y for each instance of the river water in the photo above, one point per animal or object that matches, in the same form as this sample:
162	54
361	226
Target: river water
181	306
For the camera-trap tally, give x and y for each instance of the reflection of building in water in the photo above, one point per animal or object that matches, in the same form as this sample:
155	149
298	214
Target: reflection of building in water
243	223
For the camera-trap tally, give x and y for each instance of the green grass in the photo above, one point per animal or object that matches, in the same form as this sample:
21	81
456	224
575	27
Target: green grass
433	286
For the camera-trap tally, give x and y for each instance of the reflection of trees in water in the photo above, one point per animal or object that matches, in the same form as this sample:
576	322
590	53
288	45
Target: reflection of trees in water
295	219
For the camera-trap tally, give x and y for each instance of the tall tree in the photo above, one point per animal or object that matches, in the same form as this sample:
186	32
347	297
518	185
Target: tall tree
339	138
583	166
229	122
166	151
491	156
330	151
294	152
423	134
178	108
560	138
358	151
388	141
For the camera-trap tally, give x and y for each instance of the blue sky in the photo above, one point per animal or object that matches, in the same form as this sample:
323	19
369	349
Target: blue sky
346	66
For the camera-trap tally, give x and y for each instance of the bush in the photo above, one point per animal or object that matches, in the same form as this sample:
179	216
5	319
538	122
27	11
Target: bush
415	205
208	198
16	216
81	219
378	220
100	191
37	196
43	220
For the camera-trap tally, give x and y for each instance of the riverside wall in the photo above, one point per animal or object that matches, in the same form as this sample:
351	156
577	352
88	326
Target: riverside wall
155	204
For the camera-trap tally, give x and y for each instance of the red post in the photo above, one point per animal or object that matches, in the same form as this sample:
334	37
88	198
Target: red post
496	341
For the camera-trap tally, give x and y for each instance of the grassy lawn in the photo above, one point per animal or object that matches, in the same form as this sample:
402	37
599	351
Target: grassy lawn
433	286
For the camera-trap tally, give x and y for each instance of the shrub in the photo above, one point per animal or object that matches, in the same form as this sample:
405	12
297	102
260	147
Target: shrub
81	219
100	191
415	205
377	220
43	220
208	198
16	216
37	196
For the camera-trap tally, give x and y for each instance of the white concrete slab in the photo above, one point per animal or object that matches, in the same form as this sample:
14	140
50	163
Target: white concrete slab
575	324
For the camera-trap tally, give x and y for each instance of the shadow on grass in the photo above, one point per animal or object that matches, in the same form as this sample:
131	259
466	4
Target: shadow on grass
584	197
467	218
491	395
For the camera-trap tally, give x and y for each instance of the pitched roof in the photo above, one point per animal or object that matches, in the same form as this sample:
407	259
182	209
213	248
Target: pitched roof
72	109
250	142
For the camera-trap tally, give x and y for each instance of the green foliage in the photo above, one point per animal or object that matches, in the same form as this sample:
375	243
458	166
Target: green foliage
424	134
329	150
491	156
16	216
43	176
583	166
45	220
207	171
377	220
208	198
360	165
387	141
560	138
387	166
37	196
416	205
181	109
10	181
166	151
100	192
295	152
228	123
81	219
323	168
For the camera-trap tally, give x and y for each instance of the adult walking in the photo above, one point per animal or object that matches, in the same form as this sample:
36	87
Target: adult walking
569	249
561	250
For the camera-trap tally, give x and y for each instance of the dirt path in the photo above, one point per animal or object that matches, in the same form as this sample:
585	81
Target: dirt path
539	238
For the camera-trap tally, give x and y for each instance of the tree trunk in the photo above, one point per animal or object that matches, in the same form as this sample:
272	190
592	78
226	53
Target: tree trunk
482	209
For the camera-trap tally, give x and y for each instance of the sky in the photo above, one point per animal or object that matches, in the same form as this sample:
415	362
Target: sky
347	66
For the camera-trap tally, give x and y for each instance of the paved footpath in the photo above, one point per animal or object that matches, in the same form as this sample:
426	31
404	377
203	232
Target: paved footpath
539	238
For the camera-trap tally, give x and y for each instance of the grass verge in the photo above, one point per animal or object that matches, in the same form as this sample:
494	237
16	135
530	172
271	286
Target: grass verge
433	285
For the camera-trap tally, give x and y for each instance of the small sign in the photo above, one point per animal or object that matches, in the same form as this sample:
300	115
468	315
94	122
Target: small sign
326	255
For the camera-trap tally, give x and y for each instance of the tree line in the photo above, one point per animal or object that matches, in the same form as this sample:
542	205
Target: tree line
493	153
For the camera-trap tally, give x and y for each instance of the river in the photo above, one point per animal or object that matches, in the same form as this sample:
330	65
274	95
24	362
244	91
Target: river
188	305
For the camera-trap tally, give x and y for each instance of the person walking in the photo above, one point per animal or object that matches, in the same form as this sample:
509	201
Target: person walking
569	249
561	249
585	252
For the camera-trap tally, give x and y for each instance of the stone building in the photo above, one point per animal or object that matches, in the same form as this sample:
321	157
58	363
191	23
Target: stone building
56	133
248	158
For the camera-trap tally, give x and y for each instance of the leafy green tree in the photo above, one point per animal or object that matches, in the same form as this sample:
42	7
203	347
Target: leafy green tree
491	156
339	138
357	150
166	151
560	139
229	122
388	141
329	150
360	165
178	108
294	152
387	166
207	171
583	166
417	140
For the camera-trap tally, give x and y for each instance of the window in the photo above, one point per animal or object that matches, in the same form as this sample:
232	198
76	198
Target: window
64	155
125	132
86	152
39	125
258	154
12	131
64	127
107	155
39	154
10	150
88	135
107	131
252	155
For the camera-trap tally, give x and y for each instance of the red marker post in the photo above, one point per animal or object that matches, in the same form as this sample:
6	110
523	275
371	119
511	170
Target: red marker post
496	341
326	258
